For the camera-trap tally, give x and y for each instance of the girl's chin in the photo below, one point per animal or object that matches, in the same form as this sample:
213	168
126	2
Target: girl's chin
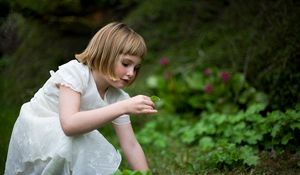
119	85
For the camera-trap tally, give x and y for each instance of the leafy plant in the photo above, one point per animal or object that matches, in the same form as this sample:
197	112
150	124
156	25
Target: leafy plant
210	90
219	114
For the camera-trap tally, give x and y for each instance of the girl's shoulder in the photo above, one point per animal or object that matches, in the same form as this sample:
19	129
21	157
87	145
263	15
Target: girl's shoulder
74	67
73	74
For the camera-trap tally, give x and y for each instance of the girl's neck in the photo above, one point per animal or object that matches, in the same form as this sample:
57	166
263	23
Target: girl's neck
101	83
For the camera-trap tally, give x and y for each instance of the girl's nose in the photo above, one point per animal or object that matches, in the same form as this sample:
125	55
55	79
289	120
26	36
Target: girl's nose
130	72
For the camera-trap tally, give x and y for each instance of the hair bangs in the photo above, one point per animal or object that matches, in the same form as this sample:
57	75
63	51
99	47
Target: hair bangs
134	45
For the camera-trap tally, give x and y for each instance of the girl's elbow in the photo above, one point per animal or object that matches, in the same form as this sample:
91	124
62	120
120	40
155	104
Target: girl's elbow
68	128
68	133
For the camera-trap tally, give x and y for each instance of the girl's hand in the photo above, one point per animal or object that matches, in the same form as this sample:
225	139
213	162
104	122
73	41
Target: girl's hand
140	104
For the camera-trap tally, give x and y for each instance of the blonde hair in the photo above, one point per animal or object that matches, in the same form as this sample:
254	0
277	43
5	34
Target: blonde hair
108	44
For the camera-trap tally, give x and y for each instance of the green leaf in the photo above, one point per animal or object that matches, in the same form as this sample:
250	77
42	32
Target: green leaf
157	101
276	128
260	97
255	108
131	172
118	172
217	118
196	102
127	172
155	98
248	155
160	142
295	125
229	108
255	118
189	136
195	81
206	143
236	118
252	137
238	82
246	95
200	128
286	138
275	116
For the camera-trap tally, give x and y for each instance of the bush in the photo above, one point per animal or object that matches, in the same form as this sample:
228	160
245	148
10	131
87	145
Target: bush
219	115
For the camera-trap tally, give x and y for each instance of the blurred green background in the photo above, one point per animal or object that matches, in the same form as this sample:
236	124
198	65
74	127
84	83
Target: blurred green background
227	73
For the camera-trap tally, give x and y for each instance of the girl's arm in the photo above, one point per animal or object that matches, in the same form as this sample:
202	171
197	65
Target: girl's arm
74	121
131	148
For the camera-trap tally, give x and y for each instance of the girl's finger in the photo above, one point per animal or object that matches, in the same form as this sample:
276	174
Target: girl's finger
149	103
146	97
149	111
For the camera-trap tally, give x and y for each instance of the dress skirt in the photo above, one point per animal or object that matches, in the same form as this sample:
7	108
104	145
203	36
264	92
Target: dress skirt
38	146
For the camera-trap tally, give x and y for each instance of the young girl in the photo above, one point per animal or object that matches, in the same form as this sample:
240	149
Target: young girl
56	132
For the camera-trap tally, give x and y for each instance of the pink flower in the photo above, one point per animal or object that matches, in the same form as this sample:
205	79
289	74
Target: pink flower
207	71
225	76
208	88
164	61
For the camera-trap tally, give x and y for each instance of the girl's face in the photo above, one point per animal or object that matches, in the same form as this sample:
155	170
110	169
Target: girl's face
125	70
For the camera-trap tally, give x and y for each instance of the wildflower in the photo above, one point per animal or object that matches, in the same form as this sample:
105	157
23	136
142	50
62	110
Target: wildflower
164	61
208	88
207	71
225	76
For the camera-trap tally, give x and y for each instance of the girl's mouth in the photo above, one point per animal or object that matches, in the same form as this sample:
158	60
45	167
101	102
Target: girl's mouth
125	80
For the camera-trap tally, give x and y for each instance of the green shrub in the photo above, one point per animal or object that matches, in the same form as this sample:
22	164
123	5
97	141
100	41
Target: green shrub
210	90
228	122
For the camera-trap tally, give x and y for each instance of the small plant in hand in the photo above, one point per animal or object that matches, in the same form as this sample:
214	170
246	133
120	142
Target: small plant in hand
157	101
155	98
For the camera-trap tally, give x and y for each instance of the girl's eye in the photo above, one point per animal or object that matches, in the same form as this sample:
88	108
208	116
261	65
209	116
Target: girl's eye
125	64
137	68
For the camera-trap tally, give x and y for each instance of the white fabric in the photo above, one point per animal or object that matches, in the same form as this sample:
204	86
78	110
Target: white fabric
38	144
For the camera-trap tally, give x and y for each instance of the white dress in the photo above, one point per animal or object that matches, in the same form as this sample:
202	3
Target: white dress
38	145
